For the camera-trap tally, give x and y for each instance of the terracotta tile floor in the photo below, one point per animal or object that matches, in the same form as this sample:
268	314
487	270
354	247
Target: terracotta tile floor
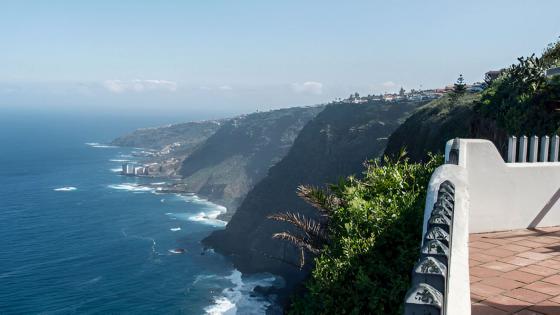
515	272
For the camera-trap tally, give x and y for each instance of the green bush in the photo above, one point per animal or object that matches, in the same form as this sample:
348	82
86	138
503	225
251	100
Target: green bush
375	234
522	100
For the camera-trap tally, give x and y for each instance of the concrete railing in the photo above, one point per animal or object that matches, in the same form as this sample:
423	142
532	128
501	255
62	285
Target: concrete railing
490	195
533	149
440	278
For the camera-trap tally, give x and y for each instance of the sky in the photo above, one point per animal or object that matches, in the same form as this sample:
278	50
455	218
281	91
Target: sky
217	57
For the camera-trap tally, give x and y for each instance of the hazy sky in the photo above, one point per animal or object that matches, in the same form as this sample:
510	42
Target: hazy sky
238	56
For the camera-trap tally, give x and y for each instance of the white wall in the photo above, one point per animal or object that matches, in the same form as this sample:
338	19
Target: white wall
506	196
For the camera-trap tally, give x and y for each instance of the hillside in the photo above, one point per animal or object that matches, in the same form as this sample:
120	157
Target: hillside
333	145
189	134
432	125
231	161
521	101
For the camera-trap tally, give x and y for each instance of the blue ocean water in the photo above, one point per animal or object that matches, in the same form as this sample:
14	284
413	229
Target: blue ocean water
79	238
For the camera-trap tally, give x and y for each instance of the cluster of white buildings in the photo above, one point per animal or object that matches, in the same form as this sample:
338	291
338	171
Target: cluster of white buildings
412	95
134	170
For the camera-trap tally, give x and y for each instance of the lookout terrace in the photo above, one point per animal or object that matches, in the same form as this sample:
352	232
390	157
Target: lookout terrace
491	231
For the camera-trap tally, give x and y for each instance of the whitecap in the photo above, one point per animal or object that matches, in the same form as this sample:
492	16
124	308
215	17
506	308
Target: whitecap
175	229
68	188
116	170
240	298
130	187
209	216
177	251
119	160
99	145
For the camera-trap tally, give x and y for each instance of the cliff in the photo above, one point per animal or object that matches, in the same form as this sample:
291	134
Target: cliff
239	154
433	124
332	145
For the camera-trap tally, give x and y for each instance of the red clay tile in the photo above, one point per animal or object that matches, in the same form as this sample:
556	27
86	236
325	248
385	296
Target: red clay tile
474	279
528	243
515	248
538	270
500	266
484	290
482	245
553	279
555	299
550	229
476	298
527	295
473	263
481	257
546	307
521	276
503	283
518	261
506	303
521	273
551	250
497	241
482	309
544	239
499	252
482	272
534	255
550	263
544	287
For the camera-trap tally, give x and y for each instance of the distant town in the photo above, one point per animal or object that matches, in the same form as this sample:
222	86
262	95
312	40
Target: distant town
417	95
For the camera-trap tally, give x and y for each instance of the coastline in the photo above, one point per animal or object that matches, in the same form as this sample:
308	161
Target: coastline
270	287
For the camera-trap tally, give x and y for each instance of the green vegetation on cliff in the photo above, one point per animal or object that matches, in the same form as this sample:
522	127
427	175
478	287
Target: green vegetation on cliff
239	154
374	232
522	100
189	135
333	145
432	125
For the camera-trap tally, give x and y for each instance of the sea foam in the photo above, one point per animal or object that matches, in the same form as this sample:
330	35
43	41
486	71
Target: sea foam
240	299
131	187
99	145
68	188
209	216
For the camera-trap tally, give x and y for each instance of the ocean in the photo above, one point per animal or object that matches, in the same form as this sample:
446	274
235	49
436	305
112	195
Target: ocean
77	237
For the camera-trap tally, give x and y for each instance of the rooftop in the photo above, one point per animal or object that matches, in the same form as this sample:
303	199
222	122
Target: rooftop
515	272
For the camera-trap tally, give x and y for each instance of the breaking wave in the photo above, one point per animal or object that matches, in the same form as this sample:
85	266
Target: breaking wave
68	188
99	145
131	187
240	299
209	216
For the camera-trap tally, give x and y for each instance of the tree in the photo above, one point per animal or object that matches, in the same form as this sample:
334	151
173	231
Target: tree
401	92
460	87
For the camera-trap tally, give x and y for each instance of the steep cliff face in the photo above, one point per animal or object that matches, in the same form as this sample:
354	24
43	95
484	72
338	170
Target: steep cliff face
239	154
332	145
429	128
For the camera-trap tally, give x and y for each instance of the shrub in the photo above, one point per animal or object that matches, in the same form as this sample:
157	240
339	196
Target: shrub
522	99
374	235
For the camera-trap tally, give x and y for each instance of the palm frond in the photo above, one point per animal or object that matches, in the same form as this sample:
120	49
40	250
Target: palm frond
311	228
320	199
297	241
